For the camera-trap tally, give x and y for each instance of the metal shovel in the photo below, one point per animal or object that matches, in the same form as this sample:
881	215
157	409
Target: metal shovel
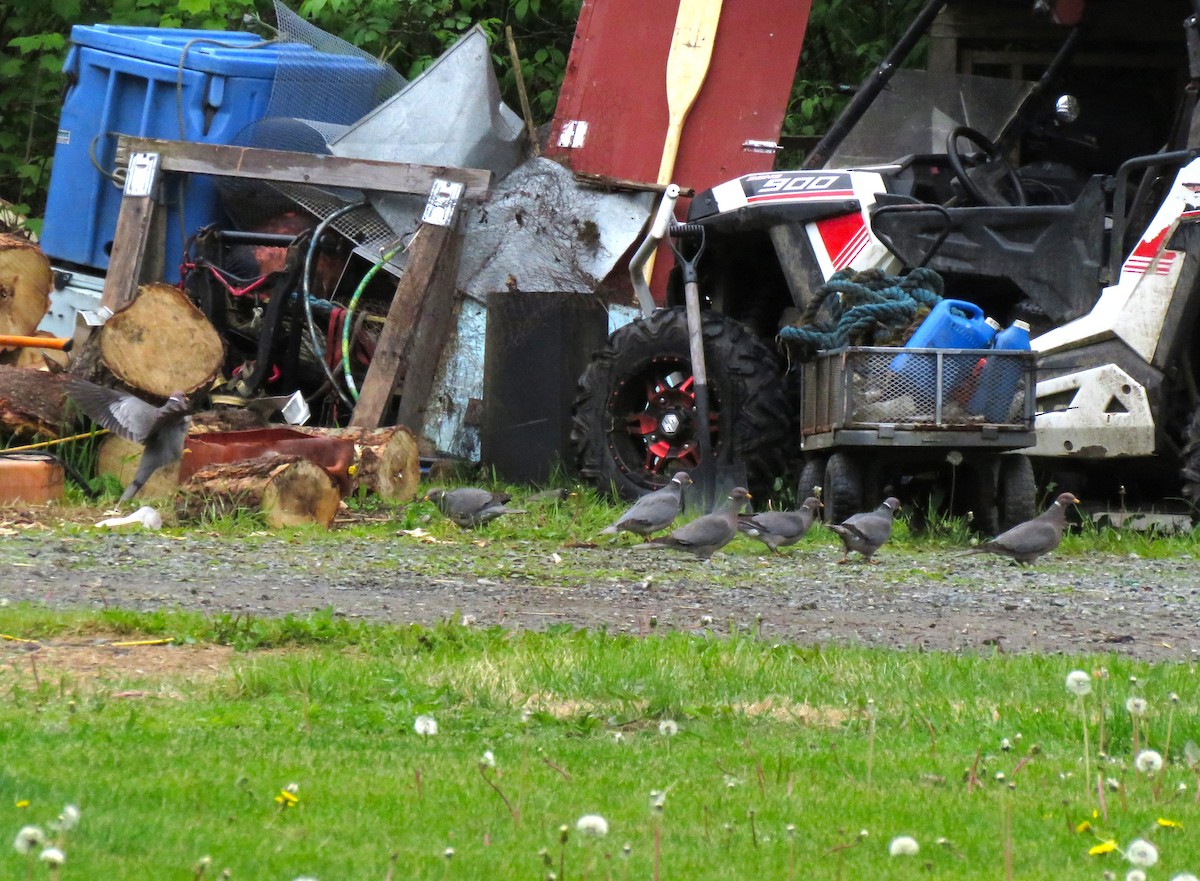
712	479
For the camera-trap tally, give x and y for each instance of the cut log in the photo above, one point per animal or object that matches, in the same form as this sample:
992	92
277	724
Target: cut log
289	490
161	343
32	402
388	462
119	457
25	283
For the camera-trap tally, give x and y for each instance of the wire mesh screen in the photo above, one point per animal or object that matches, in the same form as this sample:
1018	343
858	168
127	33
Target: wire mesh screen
322	85
918	388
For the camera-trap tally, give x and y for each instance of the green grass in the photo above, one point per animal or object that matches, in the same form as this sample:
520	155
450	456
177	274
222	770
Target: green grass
769	735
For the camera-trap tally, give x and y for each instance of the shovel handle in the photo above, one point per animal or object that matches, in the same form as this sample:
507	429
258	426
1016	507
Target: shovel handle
62	344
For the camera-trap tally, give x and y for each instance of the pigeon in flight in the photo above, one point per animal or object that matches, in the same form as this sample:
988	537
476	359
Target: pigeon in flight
866	533
779	529
654	511
1027	541
469	506
162	431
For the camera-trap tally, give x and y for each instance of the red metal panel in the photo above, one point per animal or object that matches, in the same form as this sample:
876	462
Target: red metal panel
615	83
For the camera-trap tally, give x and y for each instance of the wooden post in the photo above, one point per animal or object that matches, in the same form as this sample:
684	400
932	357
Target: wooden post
134	235
419	316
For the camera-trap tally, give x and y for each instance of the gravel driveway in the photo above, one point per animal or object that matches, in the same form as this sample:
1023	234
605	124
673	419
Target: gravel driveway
938	600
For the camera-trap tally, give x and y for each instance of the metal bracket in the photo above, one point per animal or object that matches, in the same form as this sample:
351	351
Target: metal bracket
142	175
442	206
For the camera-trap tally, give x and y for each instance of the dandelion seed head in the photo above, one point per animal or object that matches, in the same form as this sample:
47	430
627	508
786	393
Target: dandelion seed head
29	839
1173	698
448	853
1005	744
1079	683
488	759
1148	761
1184	876
791	828
293	788
426	726
592	824
904	846
1135	875
1136	706
68	819
1112	783
668	727
52	856
1141	853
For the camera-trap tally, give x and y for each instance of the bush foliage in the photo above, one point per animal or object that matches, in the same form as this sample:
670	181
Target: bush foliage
844	41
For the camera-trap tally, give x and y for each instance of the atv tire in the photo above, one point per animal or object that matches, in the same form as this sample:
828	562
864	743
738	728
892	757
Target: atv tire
1016	491
633	429
843	488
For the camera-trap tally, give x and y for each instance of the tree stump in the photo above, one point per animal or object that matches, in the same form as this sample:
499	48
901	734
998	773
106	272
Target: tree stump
161	343
119	457
389	463
25	283
290	490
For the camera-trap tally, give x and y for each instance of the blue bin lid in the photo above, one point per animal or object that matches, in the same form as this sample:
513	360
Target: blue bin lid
240	54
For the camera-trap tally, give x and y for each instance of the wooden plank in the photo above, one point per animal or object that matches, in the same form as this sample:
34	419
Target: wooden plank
304	168
430	337
432	259
133	238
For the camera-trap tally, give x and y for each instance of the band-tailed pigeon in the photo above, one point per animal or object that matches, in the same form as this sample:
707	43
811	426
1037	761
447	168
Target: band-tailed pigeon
779	529
707	534
1027	541
469	507
162	431
654	511
866	533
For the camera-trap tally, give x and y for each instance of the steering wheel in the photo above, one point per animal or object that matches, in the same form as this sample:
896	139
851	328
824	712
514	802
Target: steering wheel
982	186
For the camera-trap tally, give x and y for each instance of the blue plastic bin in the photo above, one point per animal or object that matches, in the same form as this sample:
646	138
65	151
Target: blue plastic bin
146	82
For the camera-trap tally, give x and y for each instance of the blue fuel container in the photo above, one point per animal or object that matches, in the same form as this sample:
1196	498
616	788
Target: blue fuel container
172	84
951	324
1000	378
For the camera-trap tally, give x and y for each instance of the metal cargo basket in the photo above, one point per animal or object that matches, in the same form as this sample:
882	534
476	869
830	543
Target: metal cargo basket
859	394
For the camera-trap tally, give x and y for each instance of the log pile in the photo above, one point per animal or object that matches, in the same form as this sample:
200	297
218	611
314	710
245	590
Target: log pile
289	490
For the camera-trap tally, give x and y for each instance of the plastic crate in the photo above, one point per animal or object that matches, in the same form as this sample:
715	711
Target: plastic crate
931	390
163	83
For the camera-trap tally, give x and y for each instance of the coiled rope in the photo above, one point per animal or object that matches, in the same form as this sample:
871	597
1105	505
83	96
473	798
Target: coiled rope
862	307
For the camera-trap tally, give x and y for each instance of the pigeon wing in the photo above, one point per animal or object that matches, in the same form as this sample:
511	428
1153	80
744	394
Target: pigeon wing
123	414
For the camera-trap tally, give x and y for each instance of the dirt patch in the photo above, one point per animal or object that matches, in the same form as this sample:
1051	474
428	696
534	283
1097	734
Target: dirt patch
105	663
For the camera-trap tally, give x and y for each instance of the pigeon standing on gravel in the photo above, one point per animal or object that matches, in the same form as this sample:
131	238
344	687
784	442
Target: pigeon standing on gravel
162	431
708	534
779	529
654	511
470	507
1027	541
867	532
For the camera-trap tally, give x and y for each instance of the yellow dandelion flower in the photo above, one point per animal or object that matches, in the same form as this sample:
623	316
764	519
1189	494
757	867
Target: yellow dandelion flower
1084	826
1169	824
22	803
286	799
1102	848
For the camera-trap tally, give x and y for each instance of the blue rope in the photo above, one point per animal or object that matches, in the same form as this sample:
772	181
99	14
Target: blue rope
862	304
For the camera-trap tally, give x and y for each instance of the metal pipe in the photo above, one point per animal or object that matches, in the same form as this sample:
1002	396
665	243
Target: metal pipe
873	85
658	229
